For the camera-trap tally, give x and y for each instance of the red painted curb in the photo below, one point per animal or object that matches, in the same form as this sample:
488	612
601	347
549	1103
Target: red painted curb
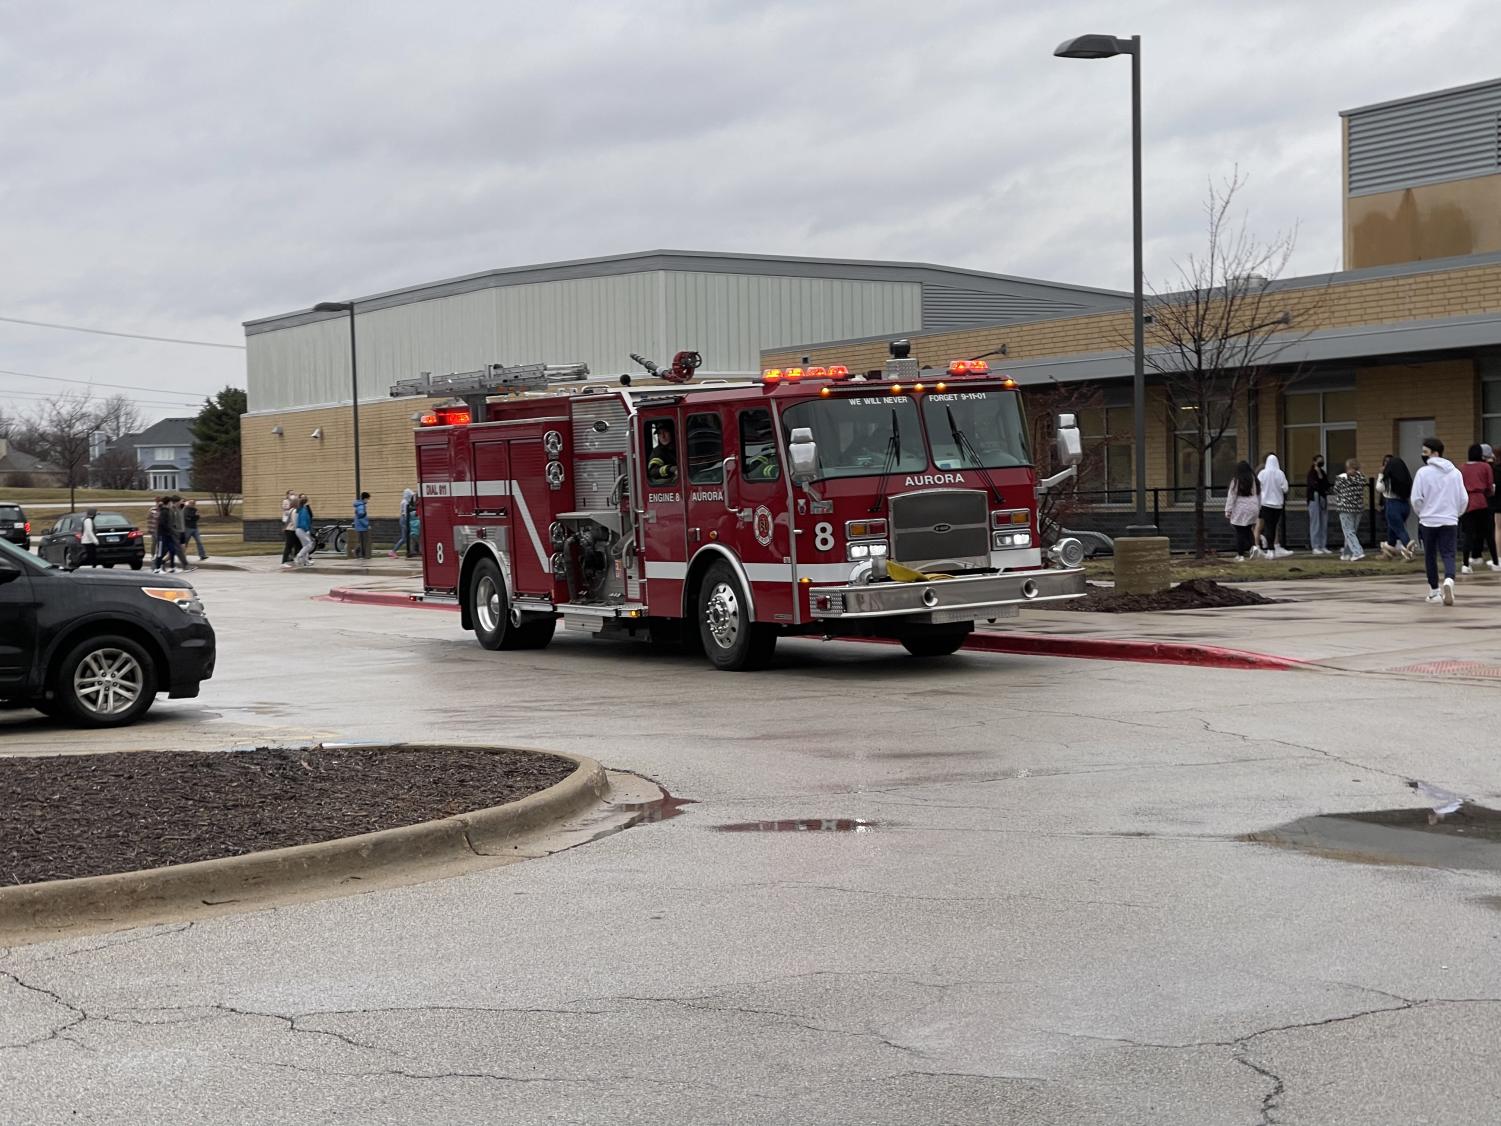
385	598
1119	649
1030	644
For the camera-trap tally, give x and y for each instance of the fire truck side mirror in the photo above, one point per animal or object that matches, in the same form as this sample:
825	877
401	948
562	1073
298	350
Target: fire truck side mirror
1070	445
804	453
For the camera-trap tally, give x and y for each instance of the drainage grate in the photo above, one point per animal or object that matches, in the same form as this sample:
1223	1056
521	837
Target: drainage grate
1453	668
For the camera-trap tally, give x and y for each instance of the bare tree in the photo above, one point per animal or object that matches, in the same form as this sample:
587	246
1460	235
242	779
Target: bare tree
117	469
1213	338
117	416
59	434
1057	507
218	471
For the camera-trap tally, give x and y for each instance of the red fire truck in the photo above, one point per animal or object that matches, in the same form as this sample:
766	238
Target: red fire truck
720	514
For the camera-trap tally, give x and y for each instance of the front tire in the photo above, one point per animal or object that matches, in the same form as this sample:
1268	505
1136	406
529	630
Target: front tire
105	681
935	644
732	641
490	611
341	543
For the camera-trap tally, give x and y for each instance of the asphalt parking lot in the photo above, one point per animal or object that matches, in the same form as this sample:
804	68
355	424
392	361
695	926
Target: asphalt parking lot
967	891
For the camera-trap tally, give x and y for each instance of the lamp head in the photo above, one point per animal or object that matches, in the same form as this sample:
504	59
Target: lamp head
334	307
1094	47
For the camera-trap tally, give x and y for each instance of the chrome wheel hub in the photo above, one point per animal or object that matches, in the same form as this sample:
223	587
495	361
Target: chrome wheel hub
722	614
487	604
108	681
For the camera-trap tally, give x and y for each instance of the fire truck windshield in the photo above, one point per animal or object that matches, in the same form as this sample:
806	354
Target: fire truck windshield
854	435
975	429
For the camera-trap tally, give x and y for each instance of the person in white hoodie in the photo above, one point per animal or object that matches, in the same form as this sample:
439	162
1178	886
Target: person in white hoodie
1438	497
1273	504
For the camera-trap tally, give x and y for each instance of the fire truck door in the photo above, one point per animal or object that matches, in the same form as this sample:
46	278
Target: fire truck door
664	554
710	519
757	489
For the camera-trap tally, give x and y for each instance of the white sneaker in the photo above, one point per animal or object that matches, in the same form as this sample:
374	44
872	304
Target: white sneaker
1465	570
1407	552
1280	552
1239	559
286	566
1448	592
1434	596
1493	566
1255	553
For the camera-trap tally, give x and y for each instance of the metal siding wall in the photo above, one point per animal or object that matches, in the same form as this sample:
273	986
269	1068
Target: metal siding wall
731	318
950	307
1425	141
301	366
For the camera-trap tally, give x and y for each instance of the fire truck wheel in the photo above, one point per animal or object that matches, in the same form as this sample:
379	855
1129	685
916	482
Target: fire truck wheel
491	611
935	644
731	640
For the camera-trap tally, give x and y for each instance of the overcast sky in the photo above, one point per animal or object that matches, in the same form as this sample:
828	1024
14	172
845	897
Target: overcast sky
174	168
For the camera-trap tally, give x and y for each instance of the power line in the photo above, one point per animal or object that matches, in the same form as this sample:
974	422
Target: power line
84	382
7	393
126	335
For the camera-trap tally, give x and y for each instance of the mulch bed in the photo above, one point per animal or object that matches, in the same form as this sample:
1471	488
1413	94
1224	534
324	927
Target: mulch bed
1195	594
89	815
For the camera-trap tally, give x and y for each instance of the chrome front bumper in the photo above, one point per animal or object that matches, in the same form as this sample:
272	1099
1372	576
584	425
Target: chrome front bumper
946	600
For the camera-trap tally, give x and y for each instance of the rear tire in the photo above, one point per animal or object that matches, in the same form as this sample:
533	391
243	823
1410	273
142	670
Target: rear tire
731	640
107	566
935	644
341	542
105	681
135	564
490	611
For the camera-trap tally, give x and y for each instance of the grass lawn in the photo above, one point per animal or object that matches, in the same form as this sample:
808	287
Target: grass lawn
1300	565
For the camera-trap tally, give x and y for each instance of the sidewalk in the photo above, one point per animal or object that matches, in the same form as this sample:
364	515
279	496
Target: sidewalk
1361	624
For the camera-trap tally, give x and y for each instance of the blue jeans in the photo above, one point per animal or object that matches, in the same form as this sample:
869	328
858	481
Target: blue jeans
1318	524
1397	512
1349	524
1438	542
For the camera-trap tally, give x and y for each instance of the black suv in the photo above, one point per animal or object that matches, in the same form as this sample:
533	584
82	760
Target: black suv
94	646
14	526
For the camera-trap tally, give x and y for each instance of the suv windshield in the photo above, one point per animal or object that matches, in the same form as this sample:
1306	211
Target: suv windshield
10	553
854	435
975	429
10	512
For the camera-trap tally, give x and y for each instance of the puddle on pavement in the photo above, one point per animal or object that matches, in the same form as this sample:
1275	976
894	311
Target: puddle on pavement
1469	838
799	825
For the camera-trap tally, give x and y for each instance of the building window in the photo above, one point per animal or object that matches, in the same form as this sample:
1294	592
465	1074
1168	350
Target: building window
1106	472
1317	422
165	453
163	481
1220	467
1490	410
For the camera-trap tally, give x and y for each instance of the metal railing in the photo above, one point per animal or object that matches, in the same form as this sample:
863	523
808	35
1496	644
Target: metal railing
1177	499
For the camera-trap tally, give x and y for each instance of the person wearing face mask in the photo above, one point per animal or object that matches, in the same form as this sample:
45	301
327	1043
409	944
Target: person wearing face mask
1273	504
1317	485
1438	497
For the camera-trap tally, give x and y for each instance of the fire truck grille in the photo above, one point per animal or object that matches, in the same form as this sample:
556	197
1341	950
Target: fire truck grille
949	526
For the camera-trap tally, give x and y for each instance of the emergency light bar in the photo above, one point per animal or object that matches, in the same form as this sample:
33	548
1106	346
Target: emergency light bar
494	379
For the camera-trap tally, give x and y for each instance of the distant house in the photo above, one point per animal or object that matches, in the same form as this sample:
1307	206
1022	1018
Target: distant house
19	470
164	452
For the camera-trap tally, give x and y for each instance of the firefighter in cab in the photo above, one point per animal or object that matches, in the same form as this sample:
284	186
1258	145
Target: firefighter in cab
662	466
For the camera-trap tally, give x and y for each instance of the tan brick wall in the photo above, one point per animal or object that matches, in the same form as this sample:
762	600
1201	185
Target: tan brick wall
1446	391
1423	296
324	468
1430	221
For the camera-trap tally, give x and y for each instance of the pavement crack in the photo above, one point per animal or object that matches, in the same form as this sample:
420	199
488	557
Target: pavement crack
1258	740
999	897
76	1015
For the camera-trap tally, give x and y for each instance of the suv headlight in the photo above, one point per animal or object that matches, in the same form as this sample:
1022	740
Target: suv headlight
185	600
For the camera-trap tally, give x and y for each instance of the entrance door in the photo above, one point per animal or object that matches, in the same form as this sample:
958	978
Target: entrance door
1410	435
664	553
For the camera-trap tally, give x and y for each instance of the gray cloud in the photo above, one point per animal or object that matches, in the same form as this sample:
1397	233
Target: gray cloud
175	169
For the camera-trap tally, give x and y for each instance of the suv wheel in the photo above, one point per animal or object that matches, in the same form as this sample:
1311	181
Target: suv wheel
105	682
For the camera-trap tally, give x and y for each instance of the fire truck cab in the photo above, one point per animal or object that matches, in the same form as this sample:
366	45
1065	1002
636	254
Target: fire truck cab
719	516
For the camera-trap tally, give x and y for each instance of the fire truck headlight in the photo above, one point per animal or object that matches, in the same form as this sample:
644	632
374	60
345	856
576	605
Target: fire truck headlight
1011	539
857	551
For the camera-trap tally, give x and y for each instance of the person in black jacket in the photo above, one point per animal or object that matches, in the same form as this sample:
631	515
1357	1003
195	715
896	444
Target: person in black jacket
1394	487
1317	485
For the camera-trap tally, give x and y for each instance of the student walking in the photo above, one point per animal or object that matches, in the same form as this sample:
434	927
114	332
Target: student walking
1438	497
1242	505
304	526
1349	500
1317	485
179	531
408	503
166	543
1495	501
361	527
290	545
190	520
1477	525
90	539
1394	489
1273	505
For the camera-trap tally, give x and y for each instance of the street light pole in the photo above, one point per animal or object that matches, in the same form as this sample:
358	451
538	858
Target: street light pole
1105	47
354	378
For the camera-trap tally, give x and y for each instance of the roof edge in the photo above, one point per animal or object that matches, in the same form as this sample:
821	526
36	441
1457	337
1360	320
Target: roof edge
1429	95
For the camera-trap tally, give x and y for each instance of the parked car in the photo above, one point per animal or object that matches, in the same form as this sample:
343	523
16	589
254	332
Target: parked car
97	648
14	526
120	541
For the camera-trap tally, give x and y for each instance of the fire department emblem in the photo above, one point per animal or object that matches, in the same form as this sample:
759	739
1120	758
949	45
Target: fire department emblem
764	526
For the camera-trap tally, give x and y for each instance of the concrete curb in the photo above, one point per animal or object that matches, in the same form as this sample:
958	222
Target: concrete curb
1031	644
38	912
